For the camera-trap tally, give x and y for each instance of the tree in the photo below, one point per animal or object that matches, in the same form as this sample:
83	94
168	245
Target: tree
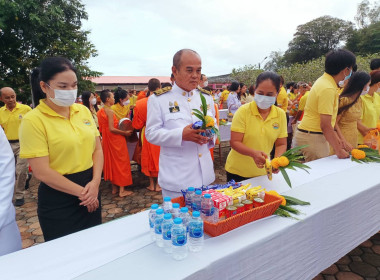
31	30
276	61
317	37
367	14
246	74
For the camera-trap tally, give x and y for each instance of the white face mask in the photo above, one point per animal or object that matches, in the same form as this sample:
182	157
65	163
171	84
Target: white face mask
126	102
93	101
205	84
64	98
365	91
264	102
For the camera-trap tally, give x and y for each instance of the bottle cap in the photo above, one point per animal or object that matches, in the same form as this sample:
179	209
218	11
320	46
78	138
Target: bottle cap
184	210
167	199
154	206
196	214
191	189
167	216
175	205
199	192
160	211
207	195
178	221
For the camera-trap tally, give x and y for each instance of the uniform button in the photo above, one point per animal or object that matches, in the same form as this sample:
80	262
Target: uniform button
183	93
200	155
189	99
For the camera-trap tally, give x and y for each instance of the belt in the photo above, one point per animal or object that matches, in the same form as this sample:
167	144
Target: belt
13	141
307	131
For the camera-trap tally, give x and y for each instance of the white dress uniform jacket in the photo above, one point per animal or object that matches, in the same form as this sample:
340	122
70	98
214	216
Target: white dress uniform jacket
233	103
182	164
10	239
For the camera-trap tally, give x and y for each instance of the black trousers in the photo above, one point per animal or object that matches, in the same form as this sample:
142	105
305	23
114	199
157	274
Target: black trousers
60	214
236	178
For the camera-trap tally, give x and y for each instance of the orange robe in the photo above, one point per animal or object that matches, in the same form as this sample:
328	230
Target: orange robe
217	122
141	95
150	153
117	167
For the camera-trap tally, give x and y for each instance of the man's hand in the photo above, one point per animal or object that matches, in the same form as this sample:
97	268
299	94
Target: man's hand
341	153
193	135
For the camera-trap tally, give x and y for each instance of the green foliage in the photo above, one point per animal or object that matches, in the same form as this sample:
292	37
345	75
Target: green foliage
367	14
31	30
246	74
365	40
316	38
276	61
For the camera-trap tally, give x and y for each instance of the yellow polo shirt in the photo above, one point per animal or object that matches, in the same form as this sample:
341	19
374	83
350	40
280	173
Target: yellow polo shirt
370	112
259	135
323	99
133	100
292	96
69	143
302	103
11	120
282	99
224	95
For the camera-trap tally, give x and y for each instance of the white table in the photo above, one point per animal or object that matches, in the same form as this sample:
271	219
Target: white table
223	113
225	132
344	212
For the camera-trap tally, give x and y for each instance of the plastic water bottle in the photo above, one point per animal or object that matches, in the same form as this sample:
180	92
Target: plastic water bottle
167	205
152	217
208	209
185	216
197	200
179	240
175	210
189	197
167	225
158	227
196	232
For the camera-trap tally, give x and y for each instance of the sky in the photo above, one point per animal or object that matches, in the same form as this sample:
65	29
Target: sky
139	38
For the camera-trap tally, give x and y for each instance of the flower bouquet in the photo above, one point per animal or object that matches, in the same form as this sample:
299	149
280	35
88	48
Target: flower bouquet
206	122
291	159
365	154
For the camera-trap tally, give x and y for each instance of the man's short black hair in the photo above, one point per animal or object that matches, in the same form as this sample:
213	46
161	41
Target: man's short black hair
338	60
375	64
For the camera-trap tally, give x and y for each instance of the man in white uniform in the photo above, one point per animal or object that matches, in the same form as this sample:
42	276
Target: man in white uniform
10	239
185	159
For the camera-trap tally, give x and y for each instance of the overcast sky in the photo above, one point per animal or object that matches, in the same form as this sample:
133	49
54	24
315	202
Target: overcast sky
139	38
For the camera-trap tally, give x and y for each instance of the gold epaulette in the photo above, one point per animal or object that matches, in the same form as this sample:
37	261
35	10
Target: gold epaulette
204	91
162	91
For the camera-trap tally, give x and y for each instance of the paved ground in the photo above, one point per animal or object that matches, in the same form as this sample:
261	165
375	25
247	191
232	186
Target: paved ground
361	263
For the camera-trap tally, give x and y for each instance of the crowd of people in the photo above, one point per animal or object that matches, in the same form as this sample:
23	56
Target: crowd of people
70	143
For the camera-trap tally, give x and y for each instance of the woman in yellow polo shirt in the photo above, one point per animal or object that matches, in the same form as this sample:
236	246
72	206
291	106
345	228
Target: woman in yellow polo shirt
122	104
256	127
371	107
61	142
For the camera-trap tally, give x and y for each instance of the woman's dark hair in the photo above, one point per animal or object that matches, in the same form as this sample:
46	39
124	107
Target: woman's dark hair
86	100
276	80
120	94
375	77
48	68
338	60
104	94
251	90
234	86
354	86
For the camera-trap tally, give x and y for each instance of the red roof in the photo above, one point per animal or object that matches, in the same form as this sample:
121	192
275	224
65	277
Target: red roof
128	79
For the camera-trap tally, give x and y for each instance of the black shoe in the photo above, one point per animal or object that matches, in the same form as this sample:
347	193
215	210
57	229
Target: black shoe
19	202
27	181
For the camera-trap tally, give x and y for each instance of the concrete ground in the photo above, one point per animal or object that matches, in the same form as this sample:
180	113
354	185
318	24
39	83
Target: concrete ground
361	263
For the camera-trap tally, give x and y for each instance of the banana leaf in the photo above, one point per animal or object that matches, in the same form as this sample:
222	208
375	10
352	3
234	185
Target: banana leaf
286	177
204	105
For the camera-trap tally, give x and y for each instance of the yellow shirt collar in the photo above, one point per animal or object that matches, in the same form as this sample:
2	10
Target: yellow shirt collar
255	111
44	108
331	79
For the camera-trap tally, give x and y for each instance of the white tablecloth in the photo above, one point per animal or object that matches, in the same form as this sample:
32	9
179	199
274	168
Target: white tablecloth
225	132
223	113
344	212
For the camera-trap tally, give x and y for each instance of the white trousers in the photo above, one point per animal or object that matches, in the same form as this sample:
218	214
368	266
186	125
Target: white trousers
10	239
170	193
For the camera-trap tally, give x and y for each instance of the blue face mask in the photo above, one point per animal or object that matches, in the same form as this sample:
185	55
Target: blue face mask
264	102
341	83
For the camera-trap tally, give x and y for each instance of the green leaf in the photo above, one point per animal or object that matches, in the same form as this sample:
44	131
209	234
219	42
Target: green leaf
295	149
199	116
286	177
197	111
204	104
356	160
